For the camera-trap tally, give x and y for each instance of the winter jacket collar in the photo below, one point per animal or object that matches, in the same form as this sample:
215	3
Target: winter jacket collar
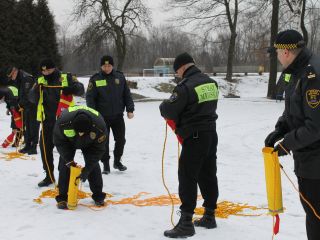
300	62
191	71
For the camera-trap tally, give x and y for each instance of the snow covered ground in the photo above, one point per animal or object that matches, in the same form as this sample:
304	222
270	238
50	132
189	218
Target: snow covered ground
242	127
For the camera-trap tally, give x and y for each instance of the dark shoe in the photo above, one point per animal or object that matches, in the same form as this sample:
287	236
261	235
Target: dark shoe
45	182
24	150
62	205
32	151
118	165
99	203
183	229
208	220
106	168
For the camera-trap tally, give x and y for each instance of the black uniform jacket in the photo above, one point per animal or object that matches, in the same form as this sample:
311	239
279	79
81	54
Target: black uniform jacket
92	144
9	98
51	96
192	107
300	122
26	82
109	94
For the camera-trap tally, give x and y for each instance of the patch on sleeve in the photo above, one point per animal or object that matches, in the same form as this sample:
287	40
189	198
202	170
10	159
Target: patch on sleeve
102	138
313	97
173	97
90	86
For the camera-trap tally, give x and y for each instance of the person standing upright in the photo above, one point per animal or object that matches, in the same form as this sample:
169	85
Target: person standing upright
299	126
53	92
192	107
109	94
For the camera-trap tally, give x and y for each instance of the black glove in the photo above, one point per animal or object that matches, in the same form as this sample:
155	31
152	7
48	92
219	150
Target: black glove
282	150
83	175
67	90
272	138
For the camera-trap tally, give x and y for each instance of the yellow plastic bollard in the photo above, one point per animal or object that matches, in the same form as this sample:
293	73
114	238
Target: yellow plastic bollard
273	181
73	187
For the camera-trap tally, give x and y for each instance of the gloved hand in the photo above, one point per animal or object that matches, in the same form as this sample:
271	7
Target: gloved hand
83	175
272	138
71	164
67	90
281	149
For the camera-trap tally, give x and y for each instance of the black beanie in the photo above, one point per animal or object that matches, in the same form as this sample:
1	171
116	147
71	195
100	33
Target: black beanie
82	123
47	64
106	60
289	39
182	59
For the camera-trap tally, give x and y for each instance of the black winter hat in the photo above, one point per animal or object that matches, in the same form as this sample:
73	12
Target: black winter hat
182	59
289	39
47	64
82	123
106	60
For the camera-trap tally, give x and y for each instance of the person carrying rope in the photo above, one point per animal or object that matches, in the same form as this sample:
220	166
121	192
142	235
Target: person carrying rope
80	127
192	107
53	92
299	126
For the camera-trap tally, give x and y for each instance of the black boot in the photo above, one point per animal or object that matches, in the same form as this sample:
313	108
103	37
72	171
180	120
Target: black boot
25	149
32	150
183	229
63	205
46	181
16	142
207	221
106	168
118	165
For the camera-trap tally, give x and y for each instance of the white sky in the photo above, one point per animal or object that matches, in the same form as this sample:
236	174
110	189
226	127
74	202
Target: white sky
63	8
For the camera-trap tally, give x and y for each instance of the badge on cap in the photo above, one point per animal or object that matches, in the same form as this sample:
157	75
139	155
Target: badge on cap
106	62
93	135
44	68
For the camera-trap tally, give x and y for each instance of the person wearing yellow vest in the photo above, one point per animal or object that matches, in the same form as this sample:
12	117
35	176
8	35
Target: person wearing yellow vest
53	92
80	127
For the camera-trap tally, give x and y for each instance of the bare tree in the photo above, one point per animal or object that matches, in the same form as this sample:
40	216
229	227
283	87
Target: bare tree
114	19
212	15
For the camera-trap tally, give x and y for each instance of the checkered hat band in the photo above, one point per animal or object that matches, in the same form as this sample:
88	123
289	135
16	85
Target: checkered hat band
286	46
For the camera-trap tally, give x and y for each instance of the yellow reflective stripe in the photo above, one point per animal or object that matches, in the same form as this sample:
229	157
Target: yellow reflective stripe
42	80
64	82
40	110
69	132
66	102
287	77
207	92
75	108
101	83
14	91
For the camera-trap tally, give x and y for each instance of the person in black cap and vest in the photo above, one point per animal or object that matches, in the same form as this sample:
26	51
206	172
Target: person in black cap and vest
192	106
24	81
298	129
52	93
80	127
109	94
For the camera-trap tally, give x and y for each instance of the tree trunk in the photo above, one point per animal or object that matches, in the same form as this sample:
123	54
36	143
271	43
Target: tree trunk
302	23
232	44
121	46
273	56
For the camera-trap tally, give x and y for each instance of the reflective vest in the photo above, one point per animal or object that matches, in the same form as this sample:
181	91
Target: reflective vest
65	100
15	114
75	108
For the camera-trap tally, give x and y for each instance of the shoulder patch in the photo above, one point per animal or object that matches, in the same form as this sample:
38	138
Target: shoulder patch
90	86
173	97
313	98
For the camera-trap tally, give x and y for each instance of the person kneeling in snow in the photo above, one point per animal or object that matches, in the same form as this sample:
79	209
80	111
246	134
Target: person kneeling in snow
80	127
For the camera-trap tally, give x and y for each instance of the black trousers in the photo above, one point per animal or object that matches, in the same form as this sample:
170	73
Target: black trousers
198	166
31	132
119	130
310	188
47	148
94	178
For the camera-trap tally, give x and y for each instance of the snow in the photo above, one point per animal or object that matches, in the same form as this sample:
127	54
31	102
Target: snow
242	127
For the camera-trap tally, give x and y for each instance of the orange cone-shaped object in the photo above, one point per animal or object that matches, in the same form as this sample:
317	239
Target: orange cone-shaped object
8	140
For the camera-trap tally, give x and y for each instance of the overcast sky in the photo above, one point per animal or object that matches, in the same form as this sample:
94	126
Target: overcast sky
63	8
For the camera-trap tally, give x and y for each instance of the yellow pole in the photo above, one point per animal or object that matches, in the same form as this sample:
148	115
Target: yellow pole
74	184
